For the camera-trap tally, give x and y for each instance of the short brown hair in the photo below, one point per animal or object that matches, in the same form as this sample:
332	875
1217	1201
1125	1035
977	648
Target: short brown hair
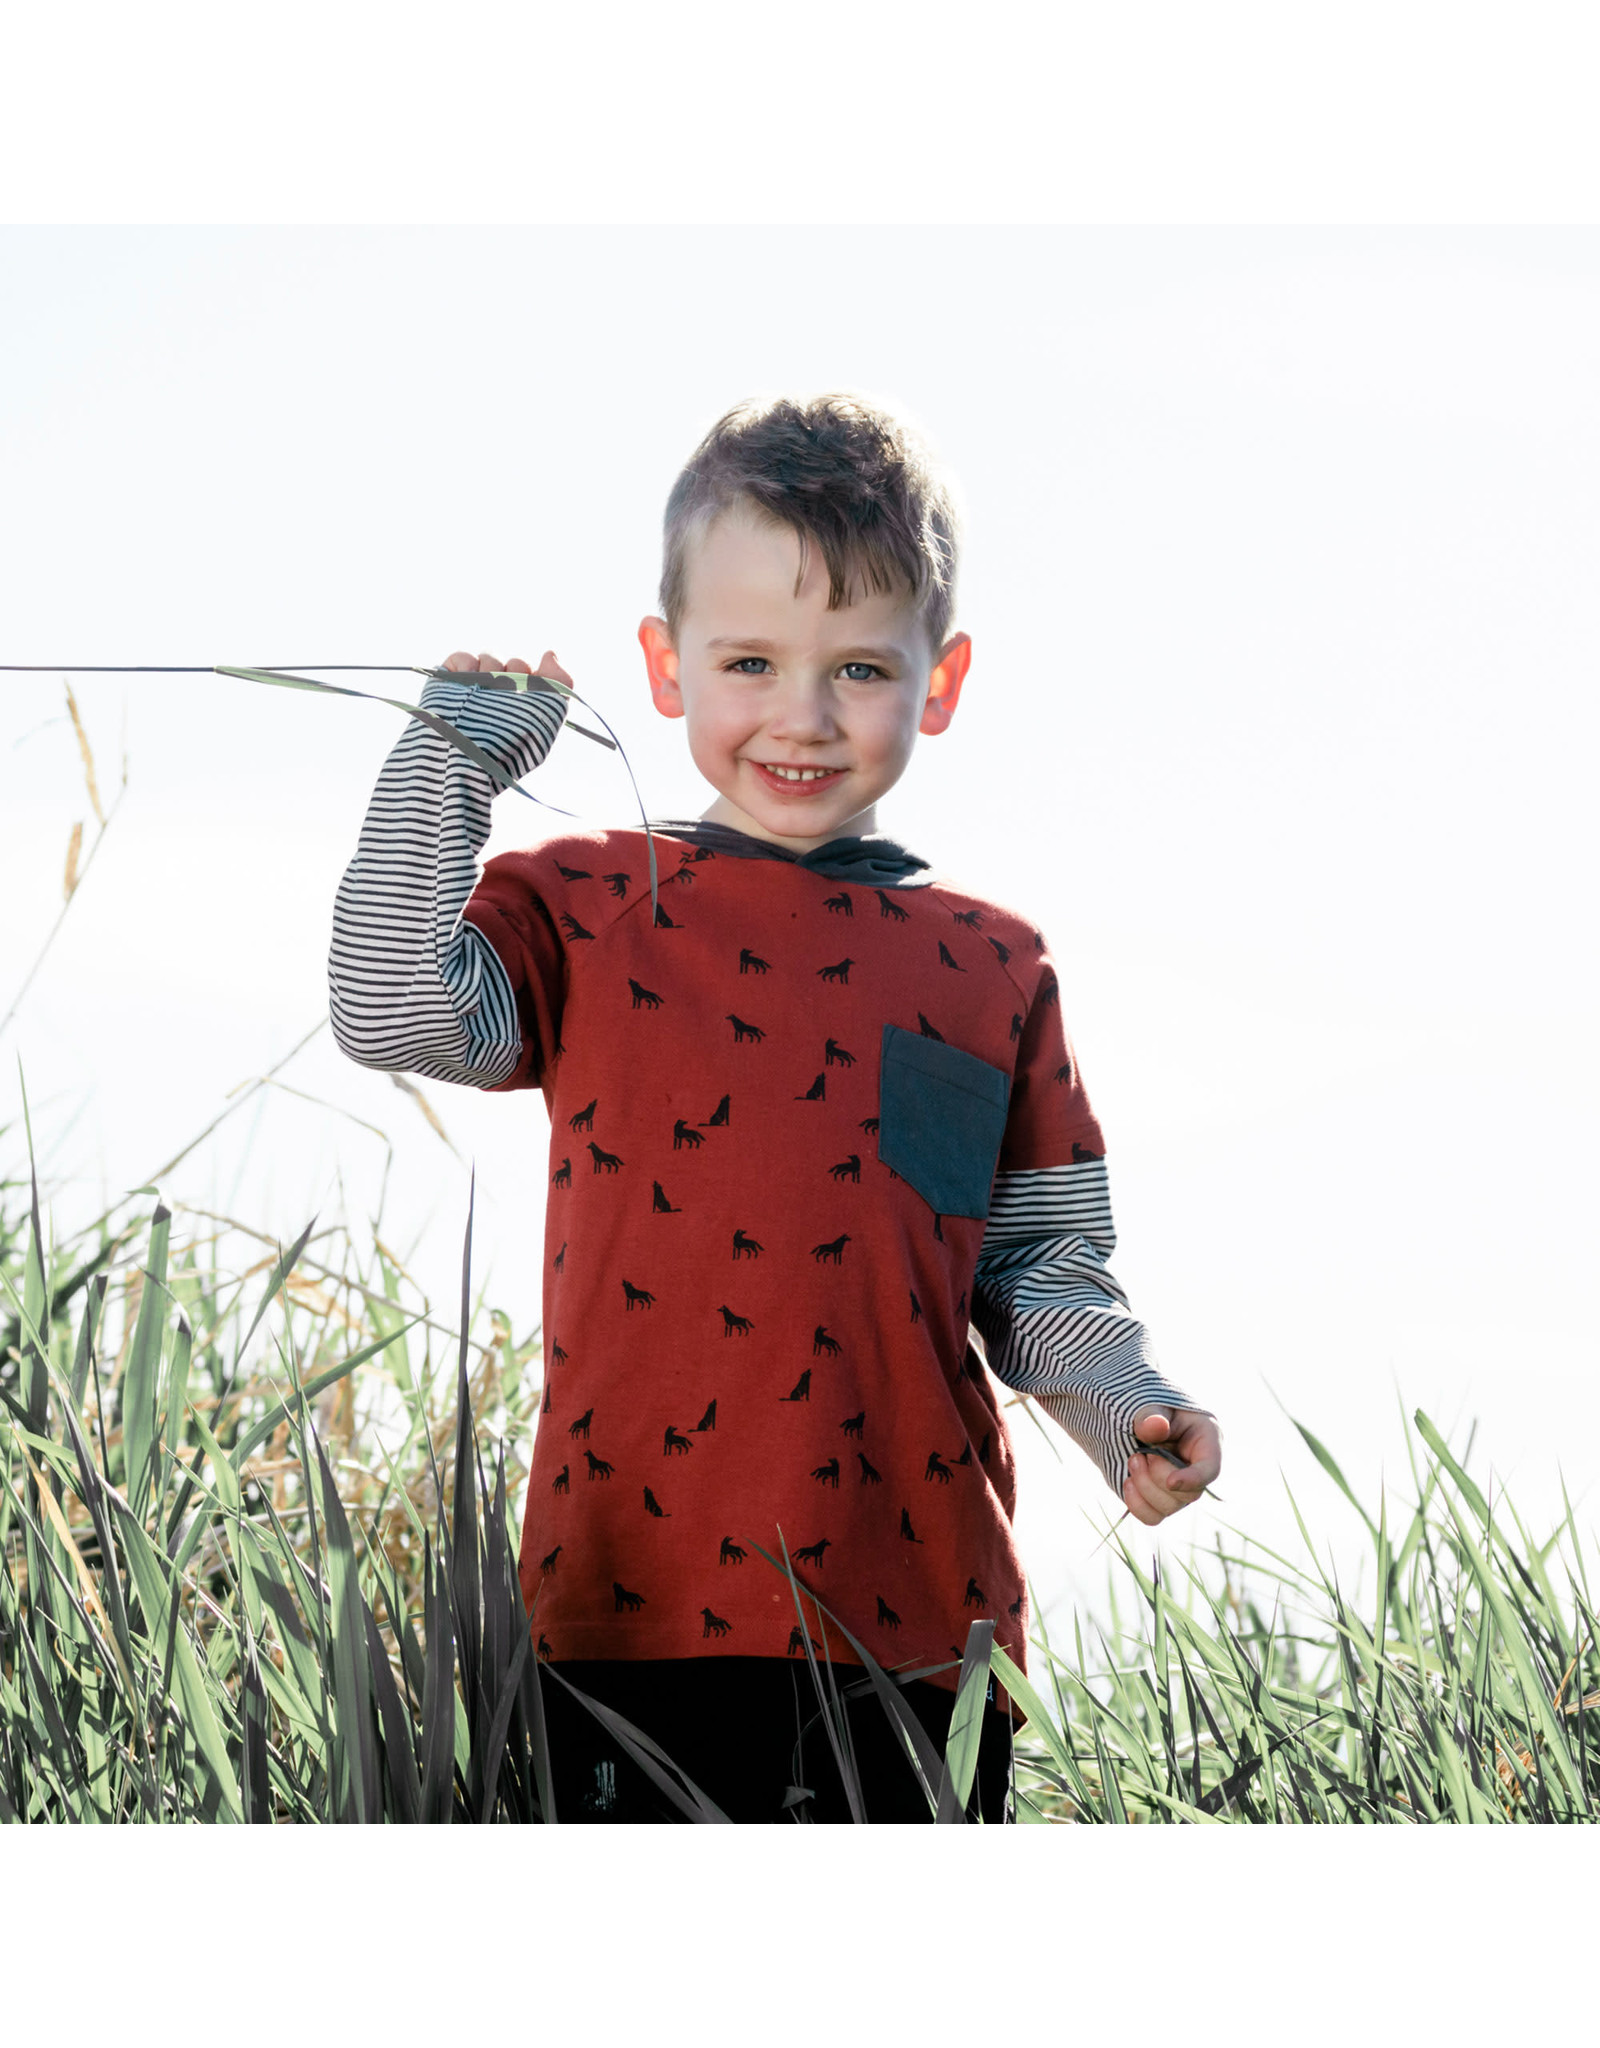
840	472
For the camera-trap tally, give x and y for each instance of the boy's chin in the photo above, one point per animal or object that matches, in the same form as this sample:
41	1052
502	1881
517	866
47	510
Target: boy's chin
774	817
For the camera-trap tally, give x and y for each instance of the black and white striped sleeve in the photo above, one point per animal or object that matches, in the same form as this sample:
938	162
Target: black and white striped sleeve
412	986
1055	1322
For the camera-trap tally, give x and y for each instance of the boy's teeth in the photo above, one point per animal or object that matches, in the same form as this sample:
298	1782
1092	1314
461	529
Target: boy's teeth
798	774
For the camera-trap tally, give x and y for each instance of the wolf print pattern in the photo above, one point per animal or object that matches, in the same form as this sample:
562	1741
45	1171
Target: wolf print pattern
712	1084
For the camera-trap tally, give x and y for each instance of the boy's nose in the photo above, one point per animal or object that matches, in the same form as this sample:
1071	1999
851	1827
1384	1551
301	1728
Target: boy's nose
802	714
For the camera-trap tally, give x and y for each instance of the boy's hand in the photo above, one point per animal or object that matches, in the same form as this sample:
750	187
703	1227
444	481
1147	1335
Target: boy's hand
485	664
1156	1488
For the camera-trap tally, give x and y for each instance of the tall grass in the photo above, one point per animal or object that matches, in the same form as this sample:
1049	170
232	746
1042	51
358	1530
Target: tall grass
257	1562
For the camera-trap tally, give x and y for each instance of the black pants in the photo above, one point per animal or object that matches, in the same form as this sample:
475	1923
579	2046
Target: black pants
746	1730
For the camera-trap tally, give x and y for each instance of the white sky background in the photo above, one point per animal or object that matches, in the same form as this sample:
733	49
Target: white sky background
1280	571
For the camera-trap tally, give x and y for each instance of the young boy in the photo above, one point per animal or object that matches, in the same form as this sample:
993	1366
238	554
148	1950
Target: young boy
813	1123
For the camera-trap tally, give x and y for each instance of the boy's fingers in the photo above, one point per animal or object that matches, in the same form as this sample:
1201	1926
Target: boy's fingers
516	666
486	662
459	664
1156	1489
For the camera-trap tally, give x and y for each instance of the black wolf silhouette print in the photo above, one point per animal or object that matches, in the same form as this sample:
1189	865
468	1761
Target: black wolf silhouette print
801	1390
624	1602
572	928
675	1441
870	1125
937	1469
544	1405
1002	952
948	959
714	1623
653	1507
617	882
887	907
1016	1026
562	1177
938	1228
870	1475
972	919
848	1169
831	1253
637	1297
983	1448
745	1246
659	1205
547	1563
685	870
752	963
966	1455
731	1552
732	1325
887	1618
581	1426
1064	1075
557	1355
562	1483
927	1029
840	905
822	1345
598	1468
834	1054
798	1640
664	922
604	1162
643	998
709	1419
743	1031
828	1474
1049	990
812	1553
1081	1154
583	1119
906	1529
1015	1609
1038	942
559	1262
839	971
853	1425
544	1652
574	874
974	1595
718	1116
816	1092
916	1306
685	1134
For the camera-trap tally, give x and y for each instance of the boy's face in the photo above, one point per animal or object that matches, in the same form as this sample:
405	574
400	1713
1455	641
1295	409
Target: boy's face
771	679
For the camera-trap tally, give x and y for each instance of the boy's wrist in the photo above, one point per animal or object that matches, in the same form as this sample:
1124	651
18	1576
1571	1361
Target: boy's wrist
514	728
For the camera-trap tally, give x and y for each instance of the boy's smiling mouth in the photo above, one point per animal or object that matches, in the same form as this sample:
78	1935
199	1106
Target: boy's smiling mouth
789	779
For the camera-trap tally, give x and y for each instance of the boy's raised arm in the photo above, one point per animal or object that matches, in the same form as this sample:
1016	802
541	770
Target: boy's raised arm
411	986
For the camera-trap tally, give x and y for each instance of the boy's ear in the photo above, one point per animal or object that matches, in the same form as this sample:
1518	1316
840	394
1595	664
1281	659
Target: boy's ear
944	683
661	664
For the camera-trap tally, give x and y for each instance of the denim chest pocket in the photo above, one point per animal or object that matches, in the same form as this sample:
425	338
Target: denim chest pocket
941	1118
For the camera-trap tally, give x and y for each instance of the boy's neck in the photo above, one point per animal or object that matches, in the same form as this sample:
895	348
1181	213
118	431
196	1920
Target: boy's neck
723	812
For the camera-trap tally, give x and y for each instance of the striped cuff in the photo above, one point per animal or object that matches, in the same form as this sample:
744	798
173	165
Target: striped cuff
1055	1321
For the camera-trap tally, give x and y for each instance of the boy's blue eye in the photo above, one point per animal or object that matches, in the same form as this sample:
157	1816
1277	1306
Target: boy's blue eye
750	664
